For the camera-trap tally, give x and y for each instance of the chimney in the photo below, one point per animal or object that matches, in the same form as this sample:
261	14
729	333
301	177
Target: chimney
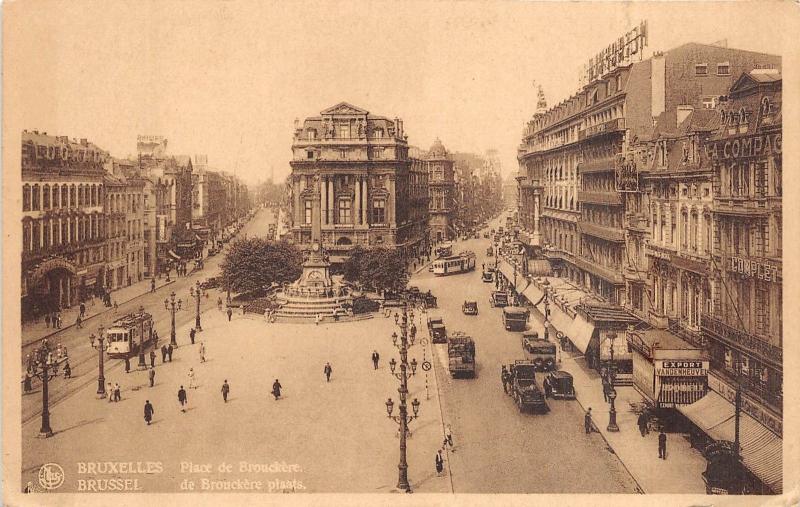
683	112
84	142
658	78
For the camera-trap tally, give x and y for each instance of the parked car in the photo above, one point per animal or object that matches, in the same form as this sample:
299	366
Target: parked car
470	308
524	389
515	318
499	298
490	252
437	330
543	352
487	276
560	385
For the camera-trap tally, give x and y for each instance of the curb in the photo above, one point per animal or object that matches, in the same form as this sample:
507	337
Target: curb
87	319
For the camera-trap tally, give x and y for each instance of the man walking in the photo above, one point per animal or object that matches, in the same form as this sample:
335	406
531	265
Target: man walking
79	322
225	390
504	378
328	370
587	421
439	463
192	384
169	352
202	352
117	392
191	335
163	353
662	445
148	411
83	310
127	364
230	312
152	375
276	389
448	437
153	359
182	399
47	320
642	422
110	391
375	358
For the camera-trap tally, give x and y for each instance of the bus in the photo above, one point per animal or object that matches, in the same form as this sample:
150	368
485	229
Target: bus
461	263
130	333
445	250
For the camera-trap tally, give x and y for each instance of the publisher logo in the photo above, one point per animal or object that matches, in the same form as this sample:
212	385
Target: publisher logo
51	476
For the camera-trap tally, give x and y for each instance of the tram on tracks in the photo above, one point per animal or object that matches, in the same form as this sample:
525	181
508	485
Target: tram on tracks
130	333
454	264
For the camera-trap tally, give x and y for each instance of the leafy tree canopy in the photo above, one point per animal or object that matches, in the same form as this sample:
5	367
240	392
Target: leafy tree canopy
377	268
255	263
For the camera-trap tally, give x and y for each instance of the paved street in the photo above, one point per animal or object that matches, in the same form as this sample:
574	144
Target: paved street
497	449
83	359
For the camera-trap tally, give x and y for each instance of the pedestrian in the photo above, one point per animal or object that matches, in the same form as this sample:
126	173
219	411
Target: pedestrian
78	322
548	389
117	392
182	399
180	302
448	436
127	364
230	312
191	335
225	390
47	320
163	353
276	389
328	370
58	319
110	392
26	383
219	303
153	358
83	310
605	391
439	463
202	352
148	411
170	349
152	285
413	329
152	375
375	358
191	376
587	421
504	378
642	422
662	444
318	319
116	306
67	370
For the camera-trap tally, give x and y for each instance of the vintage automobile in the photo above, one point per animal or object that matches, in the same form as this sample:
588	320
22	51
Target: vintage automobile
437	330
429	300
499	298
559	385
515	318
461	355
487	276
470	308
526	392
490	252
542	353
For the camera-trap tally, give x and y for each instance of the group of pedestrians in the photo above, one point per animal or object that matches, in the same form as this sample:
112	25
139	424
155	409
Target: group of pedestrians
53	318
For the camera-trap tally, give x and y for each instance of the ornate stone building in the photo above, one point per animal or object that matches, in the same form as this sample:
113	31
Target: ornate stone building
63	226
441	189
368	182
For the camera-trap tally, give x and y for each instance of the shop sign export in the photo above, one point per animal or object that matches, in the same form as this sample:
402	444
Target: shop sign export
682	369
754	269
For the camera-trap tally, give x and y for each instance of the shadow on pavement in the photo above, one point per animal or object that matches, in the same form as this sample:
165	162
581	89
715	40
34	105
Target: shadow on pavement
82	423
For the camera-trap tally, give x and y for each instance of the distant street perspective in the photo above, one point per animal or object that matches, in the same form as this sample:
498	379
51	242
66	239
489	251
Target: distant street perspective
594	307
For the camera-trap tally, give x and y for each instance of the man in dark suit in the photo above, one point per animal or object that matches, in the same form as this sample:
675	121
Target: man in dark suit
662	445
182	399
375	358
148	411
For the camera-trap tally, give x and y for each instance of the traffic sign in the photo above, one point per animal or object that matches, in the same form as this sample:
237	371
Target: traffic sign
426	365
424	341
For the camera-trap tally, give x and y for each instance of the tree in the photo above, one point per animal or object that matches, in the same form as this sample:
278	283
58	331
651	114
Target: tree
255	263
377	268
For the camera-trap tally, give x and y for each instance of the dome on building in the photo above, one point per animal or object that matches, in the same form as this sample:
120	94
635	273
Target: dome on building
437	150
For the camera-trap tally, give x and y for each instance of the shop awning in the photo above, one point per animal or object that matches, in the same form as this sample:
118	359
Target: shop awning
560	320
620	347
539	267
532	293
174	255
762	450
580	333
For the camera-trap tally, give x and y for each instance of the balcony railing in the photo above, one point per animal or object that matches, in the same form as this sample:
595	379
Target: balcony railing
609	198
604	272
696	338
607	127
752	387
605	164
602	231
741	340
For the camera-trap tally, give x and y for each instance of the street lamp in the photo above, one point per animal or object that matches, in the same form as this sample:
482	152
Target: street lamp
142	364
42	370
101	348
197	314
170	305
403	418
612	394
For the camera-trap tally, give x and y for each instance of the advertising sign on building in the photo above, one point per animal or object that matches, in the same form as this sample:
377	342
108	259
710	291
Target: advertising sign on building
620	52
161	228
681	368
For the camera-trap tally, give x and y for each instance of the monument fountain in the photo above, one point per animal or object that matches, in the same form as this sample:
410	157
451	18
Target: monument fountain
315	292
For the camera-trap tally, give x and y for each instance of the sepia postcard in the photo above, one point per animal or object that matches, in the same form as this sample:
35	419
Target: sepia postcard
426	252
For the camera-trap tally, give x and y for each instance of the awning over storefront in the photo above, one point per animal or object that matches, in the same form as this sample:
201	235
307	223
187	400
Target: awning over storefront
762	450
533	293
539	267
580	334
174	255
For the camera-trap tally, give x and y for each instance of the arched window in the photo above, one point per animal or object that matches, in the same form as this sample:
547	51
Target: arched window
35	198
26	235
26	197
36	231
46	197
64	196
73	196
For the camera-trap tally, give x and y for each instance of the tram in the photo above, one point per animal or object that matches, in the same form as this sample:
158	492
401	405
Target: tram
129	333
454	264
445	250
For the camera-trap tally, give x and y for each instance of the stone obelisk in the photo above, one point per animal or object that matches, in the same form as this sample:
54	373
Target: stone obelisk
316	270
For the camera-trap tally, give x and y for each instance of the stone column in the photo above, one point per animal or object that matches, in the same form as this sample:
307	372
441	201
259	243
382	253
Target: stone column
357	203
365	201
391	201
296	191
324	200
331	219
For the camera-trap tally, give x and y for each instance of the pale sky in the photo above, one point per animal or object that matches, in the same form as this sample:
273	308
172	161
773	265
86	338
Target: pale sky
228	78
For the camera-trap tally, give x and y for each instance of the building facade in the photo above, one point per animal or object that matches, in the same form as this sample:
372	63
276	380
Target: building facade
366	186
442	193
63	226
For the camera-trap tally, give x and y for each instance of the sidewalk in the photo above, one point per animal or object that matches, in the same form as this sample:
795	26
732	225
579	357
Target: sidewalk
679	473
34	331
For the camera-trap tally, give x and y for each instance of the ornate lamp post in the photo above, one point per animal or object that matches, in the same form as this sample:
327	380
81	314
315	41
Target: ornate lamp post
404	417
142	363
196	292
169	304
612	394
44	370
101	348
